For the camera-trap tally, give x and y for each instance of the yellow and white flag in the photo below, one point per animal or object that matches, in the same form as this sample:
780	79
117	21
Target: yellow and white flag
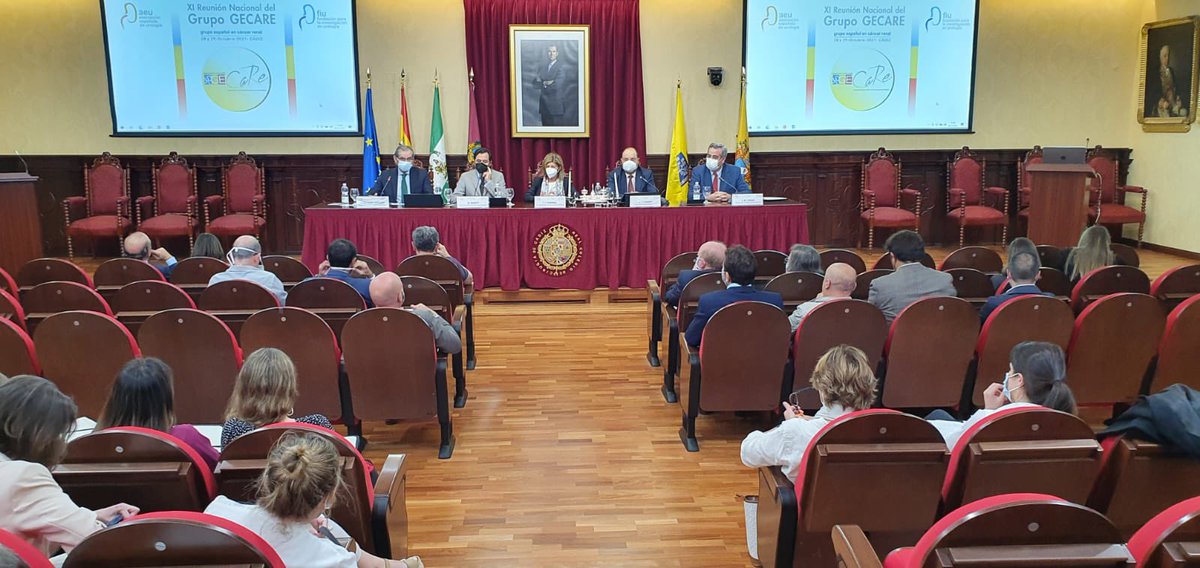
678	171
743	137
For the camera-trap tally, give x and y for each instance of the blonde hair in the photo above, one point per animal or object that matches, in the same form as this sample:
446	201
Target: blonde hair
551	158
1094	251
303	470
265	390
843	375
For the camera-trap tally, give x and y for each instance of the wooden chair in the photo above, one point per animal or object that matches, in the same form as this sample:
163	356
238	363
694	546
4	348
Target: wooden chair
1178	356
174	538
796	288
289	270
850	257
203	355
150	296
1171	538
242	205
1025	182
237	295
1126	324
155	470
1140	479
375	266
313	348
377	391
1056	282
113	274
421	290
8	283
42	270
677	320
1177	284
1029	318
49	298
881	201
928	352
837	322
982	259
81	352
1052	256
878	469
654	292
967	204
446	274
11	309
972	285
325	293
739	366
1125	254
25	552
886	262
771	263
862	284
175	204
1108	195
17	355
103	209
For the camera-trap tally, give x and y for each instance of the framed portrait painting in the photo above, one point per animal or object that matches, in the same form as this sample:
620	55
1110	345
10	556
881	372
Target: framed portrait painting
549	70
1168	74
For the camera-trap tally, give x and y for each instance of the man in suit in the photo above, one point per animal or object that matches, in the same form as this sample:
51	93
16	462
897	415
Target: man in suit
1023	269
387	291
911	281
630	174
710	258
716	178
839	283
551	102
404	179
137	246
481	180
342	263
738	273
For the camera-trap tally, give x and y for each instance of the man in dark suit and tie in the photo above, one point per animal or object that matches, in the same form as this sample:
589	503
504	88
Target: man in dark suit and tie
630	174
1023	269
911	281
551	102
739	271
716	178
710	258
404	179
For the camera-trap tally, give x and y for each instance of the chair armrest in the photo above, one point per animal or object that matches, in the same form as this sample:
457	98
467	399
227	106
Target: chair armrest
1001	195
389	512
75	207
957	197
910	192
653	293
192	206
998	191
852	548
460	312
215	203
1131	189
142	202
777	517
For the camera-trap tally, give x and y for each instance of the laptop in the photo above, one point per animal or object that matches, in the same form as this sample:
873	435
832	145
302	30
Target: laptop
423	200
1064	155
497	202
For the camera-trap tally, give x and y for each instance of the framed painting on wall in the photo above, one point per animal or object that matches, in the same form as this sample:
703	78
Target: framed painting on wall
549	75
1167	75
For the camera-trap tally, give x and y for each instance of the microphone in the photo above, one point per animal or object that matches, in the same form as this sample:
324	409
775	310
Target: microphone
616	188
23	162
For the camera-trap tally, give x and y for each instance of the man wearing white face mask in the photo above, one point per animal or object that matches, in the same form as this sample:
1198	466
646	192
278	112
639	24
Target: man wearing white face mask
245	263
630	176
404	179
716	178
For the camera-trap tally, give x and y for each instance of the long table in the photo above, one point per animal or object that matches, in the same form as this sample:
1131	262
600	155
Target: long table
575	248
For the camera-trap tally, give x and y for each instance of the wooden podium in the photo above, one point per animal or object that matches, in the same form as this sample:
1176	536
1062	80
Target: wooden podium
20	226
1058	202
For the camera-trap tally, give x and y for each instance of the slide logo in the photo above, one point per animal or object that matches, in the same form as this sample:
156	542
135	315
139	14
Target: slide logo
130	15
771	18
236	79
935	18
309	17
862	79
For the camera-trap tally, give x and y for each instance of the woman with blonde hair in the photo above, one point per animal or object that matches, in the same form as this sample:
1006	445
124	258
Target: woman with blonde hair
549	179
1094	251
265	393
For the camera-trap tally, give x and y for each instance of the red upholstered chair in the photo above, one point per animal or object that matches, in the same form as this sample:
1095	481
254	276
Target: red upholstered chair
1178	355
237	295
927	354
1170	538
881	201
421	290
654	291
103	209
42	270
1140	479
313	348
203	355
150	296
289	270
1126	324
59	296
885	262
25	552
1176	285
967	204
445	274
174	212
850	257
796	288
154	469
982	259
375	266
174	538
192	274
862	284
1028	318
11	309
850	322
242	205
112	274
17	355
1108	195
771	263
8	283
878	469
1025	182
677	320
81	352
1105	281
972	286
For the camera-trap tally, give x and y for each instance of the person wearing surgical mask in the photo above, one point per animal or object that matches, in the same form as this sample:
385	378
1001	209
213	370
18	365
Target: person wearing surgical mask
550	179
404	179
718	179
481	179
630	176
245	263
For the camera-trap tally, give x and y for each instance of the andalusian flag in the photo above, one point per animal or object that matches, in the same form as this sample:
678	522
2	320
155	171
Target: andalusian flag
370	145
474	140
405	132
743	136
677	162
437	146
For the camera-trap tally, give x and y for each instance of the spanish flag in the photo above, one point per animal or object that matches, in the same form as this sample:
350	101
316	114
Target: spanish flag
678	171
743	136
405	133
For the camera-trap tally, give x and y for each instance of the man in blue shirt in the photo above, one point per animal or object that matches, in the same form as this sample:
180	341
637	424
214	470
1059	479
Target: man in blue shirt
716	178
245	263
738	273
342	263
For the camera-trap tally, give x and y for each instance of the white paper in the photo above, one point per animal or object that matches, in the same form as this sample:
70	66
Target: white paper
746	199
550	202
372	202
472	202
644	201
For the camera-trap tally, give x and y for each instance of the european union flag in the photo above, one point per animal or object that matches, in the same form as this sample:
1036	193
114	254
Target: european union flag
370	147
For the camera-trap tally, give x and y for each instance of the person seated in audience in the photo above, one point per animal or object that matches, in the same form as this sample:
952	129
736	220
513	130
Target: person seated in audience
630	176
207	245
483	179
845	381
911	281
804	258
342	263
143	395
838	284
427	241
297	489
35	419
387	291
550	179
1017	246
1022	269
265	393
245	263
710	258
1094	251
738	274
1037	376
137	246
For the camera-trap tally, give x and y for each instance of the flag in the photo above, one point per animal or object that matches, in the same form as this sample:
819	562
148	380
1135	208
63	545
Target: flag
474	141
437	146
677	163
370	145
743	137
405	132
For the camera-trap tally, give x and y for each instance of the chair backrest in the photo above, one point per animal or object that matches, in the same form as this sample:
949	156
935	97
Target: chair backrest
325	293
150	296
881	174
1032	157
796	288
17	355
157	471
196	270
421	290
1178	355
174	182
1051	256
1125	254
203	355
313	348
678	263
81	352
1056	282
742	356
965	172
174	538
1176	285
1140	479
42	270
122	271
689	298
982	259
1106	168
851	322
11	309
1171	538
61	296
375	266
243	179
377	390
288	269
8	283
929	349
439	270
862	284
886	262
104	183
771	263
972	285
237	295
25	552
1028	318
1113	343
850	257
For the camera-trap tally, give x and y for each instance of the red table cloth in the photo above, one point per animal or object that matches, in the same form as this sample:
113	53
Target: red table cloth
578	248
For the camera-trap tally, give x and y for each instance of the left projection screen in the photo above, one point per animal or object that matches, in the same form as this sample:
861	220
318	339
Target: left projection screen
230	68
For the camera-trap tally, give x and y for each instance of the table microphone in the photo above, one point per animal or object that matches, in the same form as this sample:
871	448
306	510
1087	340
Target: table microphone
23	162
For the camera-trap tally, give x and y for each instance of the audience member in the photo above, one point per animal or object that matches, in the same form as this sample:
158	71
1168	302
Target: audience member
844	379
387	291
1094	251
738	274
143	395
245	263
804	258
265	393
427	241
207	245
35	419
302	480
1023	269
911	281
838	284
137	246
342	263
710	258
1017	246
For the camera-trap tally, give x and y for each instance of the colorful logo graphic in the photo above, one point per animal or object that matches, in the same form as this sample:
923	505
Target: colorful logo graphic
556	249
309	17
130	15
236	79
862	79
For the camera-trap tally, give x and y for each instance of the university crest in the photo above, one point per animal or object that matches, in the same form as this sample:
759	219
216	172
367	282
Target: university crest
556	249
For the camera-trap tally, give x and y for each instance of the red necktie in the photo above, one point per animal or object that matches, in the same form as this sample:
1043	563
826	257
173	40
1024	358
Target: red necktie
630	186
716	181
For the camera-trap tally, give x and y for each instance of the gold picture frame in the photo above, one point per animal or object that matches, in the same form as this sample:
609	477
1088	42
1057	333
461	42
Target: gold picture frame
1167	75
549	80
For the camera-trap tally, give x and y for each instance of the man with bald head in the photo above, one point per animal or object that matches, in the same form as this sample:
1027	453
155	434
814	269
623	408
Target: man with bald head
387	291
630	173
710	258
137	247
245	263
839	283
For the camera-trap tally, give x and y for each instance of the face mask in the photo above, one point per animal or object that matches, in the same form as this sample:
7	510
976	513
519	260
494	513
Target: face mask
1004	387
712	164
404	166
229	255
629	166
551	172
481	168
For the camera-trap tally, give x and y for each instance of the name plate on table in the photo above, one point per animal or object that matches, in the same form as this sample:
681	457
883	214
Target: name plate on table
550	202
372	202
645	201
746	199
472	202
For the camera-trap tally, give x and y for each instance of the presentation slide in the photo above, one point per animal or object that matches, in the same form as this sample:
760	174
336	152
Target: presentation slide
240	67
843	66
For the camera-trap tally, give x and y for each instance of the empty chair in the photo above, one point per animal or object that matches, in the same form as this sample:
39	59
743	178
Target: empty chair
204	356
677	320
60	296
1028	318
421	290
237	295
375	266
972	285
25	552
241	209
17	355
1140	479
289	270
446	274
654	292
11	309
1176	285
325	293
1170	538
81	352
1108	280
103	209
1056	282
173	210
1178	355
968	194
862	285
41	270
112	274
771	263
1125	254
885	262
832	256
174	538
150	296
850	322
1112	345
312	347
1051	256
928	351
196	271
796	288
881	201
982	259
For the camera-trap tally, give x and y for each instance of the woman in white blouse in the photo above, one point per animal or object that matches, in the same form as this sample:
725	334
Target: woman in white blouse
550	179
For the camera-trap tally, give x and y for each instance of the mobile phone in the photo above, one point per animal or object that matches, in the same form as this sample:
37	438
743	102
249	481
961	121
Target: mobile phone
325	532
116	519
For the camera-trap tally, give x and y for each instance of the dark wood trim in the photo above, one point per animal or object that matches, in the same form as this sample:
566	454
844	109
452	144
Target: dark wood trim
1160	248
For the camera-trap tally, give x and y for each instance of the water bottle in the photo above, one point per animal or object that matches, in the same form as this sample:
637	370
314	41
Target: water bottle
345	195
696	191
